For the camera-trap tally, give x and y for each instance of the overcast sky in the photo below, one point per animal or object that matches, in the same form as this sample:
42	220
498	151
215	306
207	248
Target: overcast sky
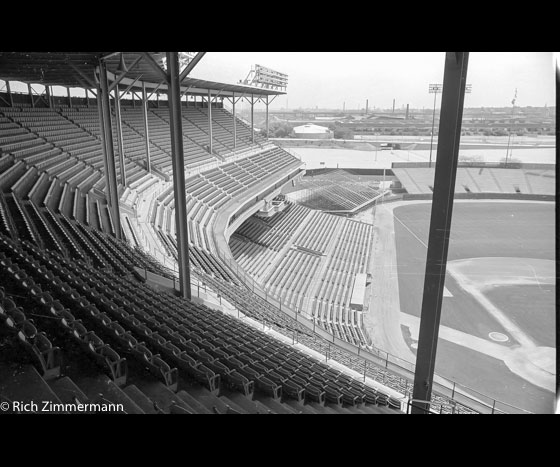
329	79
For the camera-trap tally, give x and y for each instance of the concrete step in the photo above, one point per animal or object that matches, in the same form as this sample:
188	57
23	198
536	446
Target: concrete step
67	391
386	410
232	405
143	401
320	409
250	406
206	398
93	386
304	409
163	396
338	409
275	406
24	384
193	402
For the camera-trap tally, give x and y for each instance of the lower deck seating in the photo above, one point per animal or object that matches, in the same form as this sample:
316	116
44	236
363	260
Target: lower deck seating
192	340
315	273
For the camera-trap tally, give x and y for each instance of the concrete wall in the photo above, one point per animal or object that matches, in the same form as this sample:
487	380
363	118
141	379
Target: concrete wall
489	196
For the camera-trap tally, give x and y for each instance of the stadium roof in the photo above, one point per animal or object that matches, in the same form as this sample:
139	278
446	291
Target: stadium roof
77	69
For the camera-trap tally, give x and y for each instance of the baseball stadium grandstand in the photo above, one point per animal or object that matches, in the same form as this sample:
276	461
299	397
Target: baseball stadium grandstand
154	258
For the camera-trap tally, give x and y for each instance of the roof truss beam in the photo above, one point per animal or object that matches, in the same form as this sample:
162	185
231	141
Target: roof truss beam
130	86
150	60
123	74
86	78
155	89
190	66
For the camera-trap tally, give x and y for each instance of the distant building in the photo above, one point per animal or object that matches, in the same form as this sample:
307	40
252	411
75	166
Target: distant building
311	131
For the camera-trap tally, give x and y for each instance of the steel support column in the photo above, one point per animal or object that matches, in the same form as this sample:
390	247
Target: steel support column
30	91
210	119
178	159
267	117
252	121
49	96
146	131
103	144
451	114
87	98
69	97
113	198
432	137
10	97
234	123
119	135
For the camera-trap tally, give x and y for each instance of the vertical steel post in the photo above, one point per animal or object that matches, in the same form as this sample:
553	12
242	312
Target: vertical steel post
432	137
30	91
103	144
234	123
69	97
87	98
178	159
267	117
252	122
48	92
146	131
210	120
10	97
113	198
453	96
119	135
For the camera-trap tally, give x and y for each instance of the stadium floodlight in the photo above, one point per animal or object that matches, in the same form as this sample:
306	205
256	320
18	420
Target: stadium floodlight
436	89
267	78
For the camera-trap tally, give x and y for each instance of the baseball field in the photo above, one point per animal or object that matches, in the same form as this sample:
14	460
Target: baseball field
498	327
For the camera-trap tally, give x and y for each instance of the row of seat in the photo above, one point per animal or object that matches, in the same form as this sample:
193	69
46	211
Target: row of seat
53	314
15	321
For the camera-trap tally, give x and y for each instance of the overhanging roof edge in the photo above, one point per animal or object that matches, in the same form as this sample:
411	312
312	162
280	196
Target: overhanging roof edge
200	86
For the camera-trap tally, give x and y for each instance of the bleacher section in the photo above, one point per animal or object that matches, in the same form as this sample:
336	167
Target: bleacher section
209	191
335	191
257	241
307	260
418	180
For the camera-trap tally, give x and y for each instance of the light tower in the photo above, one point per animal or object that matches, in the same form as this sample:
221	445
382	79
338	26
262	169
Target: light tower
436	89
509	132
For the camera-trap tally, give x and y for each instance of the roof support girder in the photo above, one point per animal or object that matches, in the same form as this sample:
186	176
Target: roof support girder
119	78
190	66
155	66
130	86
